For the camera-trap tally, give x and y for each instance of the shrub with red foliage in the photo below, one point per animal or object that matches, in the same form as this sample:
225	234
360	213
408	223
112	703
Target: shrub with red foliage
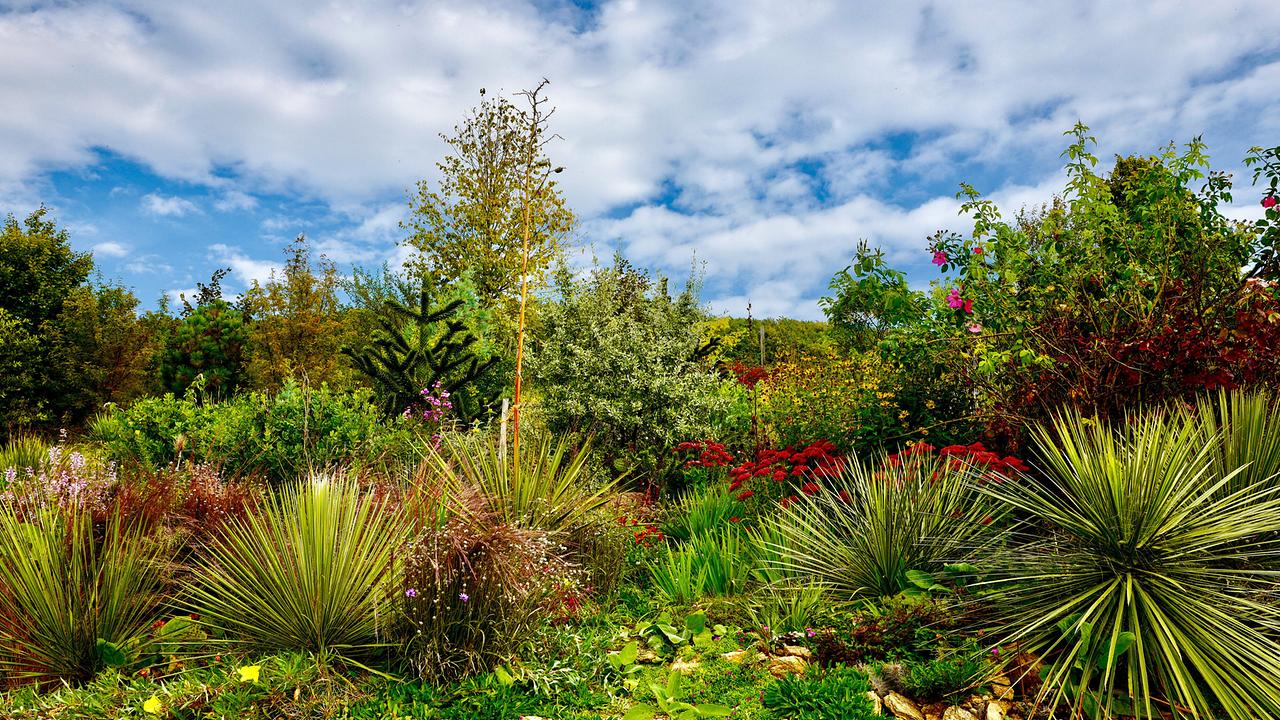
975	456
748	375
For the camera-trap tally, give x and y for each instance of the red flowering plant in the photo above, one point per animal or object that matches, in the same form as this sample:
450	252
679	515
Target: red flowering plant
782	475
975	457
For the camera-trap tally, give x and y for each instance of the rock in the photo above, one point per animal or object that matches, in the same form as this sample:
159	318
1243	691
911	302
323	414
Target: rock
797	651
995	711
737	656
787	665
645	656
1002	687
877	705
684	666
955	712
902	707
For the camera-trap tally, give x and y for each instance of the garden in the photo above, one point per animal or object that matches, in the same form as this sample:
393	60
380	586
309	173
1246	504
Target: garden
489	485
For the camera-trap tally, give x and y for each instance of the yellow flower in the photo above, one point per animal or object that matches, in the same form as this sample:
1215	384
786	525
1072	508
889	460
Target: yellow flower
152	705
249	673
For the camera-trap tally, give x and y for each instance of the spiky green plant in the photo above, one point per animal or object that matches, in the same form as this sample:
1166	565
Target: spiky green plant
551	490
311	570
873	522
71	602
1243	429
22	452
715	563
1142	587
700	511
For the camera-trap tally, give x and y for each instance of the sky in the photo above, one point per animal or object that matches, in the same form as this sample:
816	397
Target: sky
757	141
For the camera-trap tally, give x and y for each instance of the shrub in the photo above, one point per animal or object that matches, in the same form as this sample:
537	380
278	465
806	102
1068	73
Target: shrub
473	585
280	435
861	531
944	678
72	601
20	453
1148	585
898	628
836	693
311	570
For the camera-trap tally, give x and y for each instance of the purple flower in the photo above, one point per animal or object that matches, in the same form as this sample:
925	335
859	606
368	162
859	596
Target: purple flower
810	632
464	597
411	593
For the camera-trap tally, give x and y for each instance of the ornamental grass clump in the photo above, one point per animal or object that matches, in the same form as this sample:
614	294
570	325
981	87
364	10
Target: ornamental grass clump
73	597
1144	574
473	584
862	528
311	569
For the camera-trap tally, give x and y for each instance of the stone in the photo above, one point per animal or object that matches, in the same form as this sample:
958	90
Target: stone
994	711
684	666
645	656
1002	687
955	712
877	705
737	656
797	651
787	665
902	707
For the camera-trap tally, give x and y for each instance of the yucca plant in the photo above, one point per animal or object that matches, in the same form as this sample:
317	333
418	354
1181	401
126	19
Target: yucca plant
872	523
1243	430
551	490
71	601
310	570
1142	588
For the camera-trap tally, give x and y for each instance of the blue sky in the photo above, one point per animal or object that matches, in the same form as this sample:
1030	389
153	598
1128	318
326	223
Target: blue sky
763	138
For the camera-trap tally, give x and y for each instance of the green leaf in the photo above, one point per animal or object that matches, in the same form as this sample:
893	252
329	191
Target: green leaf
1104	659
711	710
921	579
696	623
110	654
640	712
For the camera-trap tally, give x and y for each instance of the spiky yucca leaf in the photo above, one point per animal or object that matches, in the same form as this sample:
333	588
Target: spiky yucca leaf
873	522
62	590
551	490
1243	430
311	570
1142	588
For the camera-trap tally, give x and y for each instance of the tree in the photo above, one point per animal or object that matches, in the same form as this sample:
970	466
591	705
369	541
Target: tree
419	345
209	342
297	328
473	222
66	346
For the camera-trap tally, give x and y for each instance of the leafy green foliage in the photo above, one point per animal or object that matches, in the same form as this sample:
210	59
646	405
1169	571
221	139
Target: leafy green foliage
835	693
700	511
669	703
310	571
71	601
948	677
1148	583
716	563
616	358
278	435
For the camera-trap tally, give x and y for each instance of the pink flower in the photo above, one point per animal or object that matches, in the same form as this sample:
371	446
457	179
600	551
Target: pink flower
975	328
939	257
968	307
1269	201
954	301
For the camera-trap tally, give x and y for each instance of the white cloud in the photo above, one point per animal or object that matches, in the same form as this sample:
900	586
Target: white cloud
110	249
235	200
168	206
774	129
244	268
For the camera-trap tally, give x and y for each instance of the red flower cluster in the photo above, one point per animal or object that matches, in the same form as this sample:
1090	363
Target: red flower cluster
705	454
804	464
975	455
648	533
748	375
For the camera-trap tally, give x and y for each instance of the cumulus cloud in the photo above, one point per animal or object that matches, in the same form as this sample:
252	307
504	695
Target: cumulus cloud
110	249
244	268
745	131
168	206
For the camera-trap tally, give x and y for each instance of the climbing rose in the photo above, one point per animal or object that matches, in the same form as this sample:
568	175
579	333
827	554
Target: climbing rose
1269	201
939	258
